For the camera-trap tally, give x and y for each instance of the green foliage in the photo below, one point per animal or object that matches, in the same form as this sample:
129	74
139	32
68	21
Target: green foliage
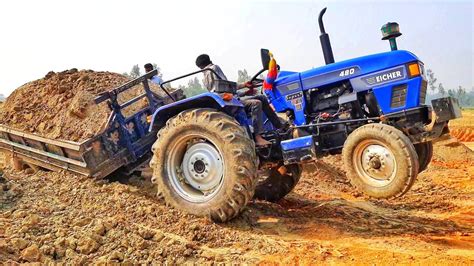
431	80
441	89
193	88
135	72
243	76
465	98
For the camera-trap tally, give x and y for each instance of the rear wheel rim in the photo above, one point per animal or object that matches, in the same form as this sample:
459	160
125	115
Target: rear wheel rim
374	163
195	168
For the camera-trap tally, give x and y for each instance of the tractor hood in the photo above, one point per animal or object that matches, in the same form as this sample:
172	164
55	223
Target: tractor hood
344	70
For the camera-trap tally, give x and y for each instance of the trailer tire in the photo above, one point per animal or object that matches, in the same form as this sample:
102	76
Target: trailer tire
276	185
425	153
205	164
380	160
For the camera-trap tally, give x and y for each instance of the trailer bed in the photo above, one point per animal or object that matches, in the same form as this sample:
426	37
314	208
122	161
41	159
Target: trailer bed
125	142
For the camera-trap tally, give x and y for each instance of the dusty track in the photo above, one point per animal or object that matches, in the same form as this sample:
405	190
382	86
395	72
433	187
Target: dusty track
63	218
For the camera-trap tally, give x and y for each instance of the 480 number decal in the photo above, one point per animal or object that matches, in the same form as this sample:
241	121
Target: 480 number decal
347	72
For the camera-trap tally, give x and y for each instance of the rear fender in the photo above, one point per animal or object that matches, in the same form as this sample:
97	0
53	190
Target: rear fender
233	108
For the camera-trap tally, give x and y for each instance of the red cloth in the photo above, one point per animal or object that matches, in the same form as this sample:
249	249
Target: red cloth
272	74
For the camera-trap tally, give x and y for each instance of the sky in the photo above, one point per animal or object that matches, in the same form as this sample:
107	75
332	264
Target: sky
39	36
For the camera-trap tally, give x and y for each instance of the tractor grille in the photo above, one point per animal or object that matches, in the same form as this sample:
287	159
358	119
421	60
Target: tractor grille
399	96
423	88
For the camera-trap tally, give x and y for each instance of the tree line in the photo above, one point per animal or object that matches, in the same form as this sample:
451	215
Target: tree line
437	90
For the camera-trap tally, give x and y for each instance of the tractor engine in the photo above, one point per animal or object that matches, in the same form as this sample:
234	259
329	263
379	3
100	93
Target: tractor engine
325	100
324	108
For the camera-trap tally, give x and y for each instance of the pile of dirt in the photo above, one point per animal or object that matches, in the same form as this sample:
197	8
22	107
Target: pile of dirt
451	150
463	134
60	105
61	221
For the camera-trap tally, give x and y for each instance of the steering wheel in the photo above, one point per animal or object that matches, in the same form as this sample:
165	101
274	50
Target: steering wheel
255	80
258	82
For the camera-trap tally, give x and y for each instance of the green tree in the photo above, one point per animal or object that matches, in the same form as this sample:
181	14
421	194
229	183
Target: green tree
452	93
462	96
194	87
441	89
432	80
135	72
243	76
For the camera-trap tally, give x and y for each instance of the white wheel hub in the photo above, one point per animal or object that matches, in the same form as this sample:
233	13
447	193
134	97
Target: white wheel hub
202	166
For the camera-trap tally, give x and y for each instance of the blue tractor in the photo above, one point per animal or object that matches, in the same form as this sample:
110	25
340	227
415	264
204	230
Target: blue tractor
371	109
201	149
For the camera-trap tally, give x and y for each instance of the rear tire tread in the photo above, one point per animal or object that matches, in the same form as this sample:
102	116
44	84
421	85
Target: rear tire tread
240	149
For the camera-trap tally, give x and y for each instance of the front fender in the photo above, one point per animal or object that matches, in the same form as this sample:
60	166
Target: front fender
204	100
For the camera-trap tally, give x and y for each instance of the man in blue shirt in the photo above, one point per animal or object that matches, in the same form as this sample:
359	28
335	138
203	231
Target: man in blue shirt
155	79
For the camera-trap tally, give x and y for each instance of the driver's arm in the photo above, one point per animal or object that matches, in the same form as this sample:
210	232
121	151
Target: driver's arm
245	89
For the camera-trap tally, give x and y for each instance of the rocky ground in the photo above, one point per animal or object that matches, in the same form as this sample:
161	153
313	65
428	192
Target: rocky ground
60	217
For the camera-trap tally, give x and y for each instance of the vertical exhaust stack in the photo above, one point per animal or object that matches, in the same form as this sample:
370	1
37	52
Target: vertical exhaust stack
324	38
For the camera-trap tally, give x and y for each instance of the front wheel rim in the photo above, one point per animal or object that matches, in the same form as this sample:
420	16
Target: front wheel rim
374	163
195	168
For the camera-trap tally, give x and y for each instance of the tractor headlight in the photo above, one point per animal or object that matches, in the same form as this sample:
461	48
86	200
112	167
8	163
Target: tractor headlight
414	69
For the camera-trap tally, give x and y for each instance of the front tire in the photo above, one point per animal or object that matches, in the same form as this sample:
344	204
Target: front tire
380	160
274	185
205	164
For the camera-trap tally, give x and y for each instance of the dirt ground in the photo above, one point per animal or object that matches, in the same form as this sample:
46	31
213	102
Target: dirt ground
59	217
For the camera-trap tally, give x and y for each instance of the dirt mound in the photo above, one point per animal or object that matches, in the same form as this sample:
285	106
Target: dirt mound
118	224
453	151
60	105
463	134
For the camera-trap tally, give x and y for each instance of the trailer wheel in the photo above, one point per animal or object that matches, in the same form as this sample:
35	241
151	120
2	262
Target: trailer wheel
425	153
205	164
273	185
380	160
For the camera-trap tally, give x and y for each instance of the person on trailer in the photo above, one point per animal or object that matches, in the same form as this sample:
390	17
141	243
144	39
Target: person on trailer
155	79
253	103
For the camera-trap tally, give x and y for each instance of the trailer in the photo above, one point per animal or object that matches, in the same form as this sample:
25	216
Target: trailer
123	142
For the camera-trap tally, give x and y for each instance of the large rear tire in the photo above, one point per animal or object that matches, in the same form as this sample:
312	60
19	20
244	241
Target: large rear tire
380	160
273	185
425	153
205	164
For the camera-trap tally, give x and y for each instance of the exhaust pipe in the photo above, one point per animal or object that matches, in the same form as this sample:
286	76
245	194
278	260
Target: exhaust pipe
324	38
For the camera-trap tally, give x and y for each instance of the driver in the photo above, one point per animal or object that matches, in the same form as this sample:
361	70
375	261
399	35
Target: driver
254	104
